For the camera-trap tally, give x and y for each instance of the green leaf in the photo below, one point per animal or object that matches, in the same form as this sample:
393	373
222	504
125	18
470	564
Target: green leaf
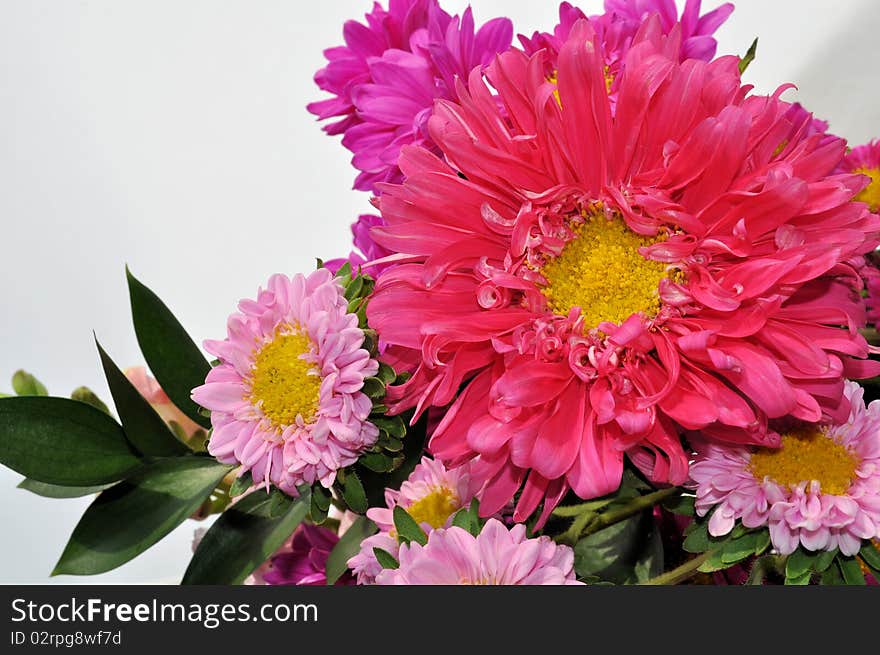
713	563
377	462
803	579
870	555
627	552
749	57
851	571
681	504
354	288
399	468
128	518
89	397
243	537
25	384
468	518
696	537
801	561
374	388
58	491
393	425
832	576
744	546
174	359
143	427
386	373
240	484
63	442
386	559
348	546
407	528
824	559
353	493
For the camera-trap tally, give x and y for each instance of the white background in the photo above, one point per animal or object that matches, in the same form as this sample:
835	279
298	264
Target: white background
172	135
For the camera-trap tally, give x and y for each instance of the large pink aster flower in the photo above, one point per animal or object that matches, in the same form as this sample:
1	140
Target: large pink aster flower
820	489
384	80
497	556
285	400
432	495
618	26
865	160
597	283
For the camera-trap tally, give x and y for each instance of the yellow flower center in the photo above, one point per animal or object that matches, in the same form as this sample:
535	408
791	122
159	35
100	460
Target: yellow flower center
435	508
807	455
602	272
283	383
871	193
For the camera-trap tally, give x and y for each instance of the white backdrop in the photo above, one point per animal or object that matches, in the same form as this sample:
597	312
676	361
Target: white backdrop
172	135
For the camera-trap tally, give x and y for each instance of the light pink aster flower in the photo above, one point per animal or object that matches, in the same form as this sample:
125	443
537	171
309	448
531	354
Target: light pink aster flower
432	495
285	400
820	489
497	556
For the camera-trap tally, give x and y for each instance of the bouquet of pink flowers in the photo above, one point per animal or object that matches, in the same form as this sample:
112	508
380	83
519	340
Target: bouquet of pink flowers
604	327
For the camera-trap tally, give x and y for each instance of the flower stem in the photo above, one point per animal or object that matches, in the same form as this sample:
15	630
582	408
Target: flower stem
680	573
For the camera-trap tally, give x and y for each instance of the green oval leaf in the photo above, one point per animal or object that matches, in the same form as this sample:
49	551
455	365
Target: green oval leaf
57	491
851	571
244	536
174	359
128	518
25	384
385	559
143	427
62	441
353	493
407	528
347	547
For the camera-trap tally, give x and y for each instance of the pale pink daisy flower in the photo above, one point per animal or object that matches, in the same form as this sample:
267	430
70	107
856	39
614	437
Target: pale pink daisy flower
821	489
285	400
431	495
497	556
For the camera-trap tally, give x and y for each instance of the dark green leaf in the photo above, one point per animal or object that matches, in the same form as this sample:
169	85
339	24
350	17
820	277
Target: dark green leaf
128	518
413	449
824	559
714	562
803	579
386	373
57	491
407	528
378	462
749	57
871	556
354	288
801	561
393	425
697	537
850	570
243	537
317	513
627	552
386	559
374	388
25	384
353	493
89	397
143	427
681	504
63	442
348	546
740	548
241	484
174	359
831	576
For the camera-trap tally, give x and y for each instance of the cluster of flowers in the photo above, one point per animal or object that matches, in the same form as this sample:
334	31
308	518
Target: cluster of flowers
599	257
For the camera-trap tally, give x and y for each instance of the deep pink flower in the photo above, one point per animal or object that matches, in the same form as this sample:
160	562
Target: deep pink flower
285	400
597	283
865	160
820	489
384	80
302	560
497	556
618	27
432	495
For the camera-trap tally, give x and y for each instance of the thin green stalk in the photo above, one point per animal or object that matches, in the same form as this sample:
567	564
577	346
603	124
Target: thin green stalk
680	573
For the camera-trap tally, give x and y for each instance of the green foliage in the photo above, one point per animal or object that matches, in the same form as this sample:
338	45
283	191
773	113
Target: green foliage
386	559
626	552
174	359
347	547
89	397
241	484
469	518
63	442
749	57
128	518
25	384
144	428
850	570
57	491
245	535
407	528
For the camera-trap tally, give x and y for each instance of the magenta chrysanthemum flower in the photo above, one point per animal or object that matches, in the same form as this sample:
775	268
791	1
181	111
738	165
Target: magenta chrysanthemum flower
598	282
618	27
497	556
871	277
820	489
865	160
302	560
367	249
432	495
285	400
384	80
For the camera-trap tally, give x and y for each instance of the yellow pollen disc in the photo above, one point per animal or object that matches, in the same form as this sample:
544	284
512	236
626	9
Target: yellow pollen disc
283	383
435	508
871	193
602	272
807	455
